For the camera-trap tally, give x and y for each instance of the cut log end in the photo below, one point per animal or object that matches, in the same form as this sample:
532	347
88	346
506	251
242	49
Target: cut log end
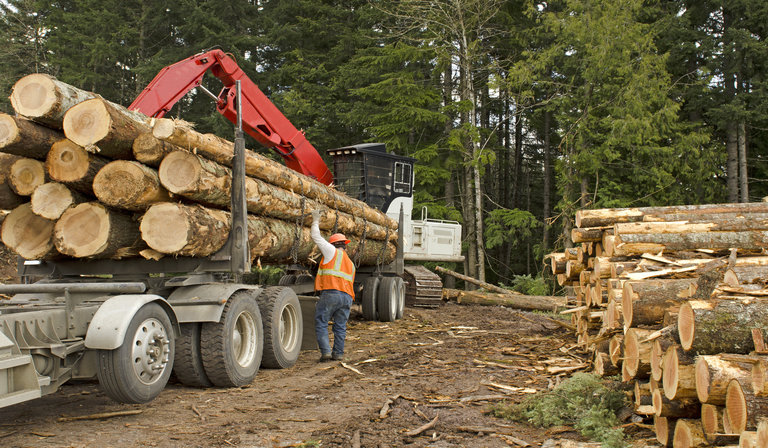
163	128
661	428
26	175
686	326
702	379
711	418
688	433
83	230
671	371
88	122
127	184
165	228
28	234
736	407
9	131
180	172
34	95
51	199
67	161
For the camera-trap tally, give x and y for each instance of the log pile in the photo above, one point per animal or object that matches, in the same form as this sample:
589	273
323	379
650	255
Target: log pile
675	300
87	178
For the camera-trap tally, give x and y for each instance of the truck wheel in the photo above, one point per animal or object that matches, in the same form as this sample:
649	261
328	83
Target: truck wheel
400	285
370	289
283	327
388	299
138	370
188	363
304	278
287	280
231	348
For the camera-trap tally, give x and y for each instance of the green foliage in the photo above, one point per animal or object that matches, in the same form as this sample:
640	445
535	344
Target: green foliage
509	226
584	401
531	286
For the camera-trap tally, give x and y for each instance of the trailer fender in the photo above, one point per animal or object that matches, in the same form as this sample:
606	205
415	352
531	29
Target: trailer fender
204	303
110	323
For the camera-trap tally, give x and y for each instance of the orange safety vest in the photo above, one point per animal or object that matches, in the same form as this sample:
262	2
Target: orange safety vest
338	273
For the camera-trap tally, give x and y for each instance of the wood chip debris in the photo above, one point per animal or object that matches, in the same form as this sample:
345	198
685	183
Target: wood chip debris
100	416
421	429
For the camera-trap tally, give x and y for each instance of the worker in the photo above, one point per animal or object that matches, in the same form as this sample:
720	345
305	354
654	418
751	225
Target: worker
334	282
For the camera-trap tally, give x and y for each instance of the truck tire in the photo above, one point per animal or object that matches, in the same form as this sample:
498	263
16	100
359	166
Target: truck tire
387	299
400	285
368	300
304	278
283	327
231	348
287	280
138	370
188	362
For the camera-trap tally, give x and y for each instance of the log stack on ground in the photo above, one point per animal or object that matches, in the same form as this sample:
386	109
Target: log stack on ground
106	198
688	286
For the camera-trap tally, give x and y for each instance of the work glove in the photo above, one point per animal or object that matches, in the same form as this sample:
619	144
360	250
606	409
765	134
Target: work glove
315	216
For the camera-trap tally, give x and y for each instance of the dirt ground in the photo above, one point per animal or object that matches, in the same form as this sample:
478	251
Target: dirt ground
433	365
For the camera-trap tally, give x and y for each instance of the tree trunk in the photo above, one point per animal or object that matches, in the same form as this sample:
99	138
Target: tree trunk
587	234
664	407
8	198
27	234
209	183
44	99
664	429
743	407
689	433
150	150
542	303
26	175
91	230
741	275
637	352
709	327
221	151
743	173
611	216
547	180
713	372
659	346
25	138
679	379
73	166
749	239
129	185
645	302
52	199
104	128
196	231
760	376
479	283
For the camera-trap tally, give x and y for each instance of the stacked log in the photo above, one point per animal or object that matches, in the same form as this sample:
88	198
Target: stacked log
87	178
680	294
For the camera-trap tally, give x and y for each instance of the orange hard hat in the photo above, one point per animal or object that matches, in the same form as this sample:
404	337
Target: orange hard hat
336	237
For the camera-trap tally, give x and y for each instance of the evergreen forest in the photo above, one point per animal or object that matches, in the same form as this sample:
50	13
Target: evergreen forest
519	112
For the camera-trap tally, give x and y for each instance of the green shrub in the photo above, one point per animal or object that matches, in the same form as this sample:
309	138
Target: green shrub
583	401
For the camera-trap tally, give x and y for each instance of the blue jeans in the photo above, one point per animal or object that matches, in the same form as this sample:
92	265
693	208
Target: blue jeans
334	305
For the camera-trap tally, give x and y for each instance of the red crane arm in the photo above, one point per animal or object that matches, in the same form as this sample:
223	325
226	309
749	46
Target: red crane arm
262	120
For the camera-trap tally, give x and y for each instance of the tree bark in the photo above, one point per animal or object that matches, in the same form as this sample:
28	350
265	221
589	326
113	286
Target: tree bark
645	302
73	166
209	183
611	216
664	407
25	138
91	230
479	283
659	242
104	128
709	327
52	199
542	303
129	185
743	173
27	234
44	99
196	231
659	347
26	175
713	372
9	199
689	433
150	150
222	151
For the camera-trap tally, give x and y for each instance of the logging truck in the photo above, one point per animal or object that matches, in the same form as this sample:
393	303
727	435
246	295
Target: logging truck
131	322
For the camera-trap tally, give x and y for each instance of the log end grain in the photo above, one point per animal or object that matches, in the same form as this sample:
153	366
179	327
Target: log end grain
26	233
88	122
82	230
703	379
671	370
67	161
762	433
165	228
163	128
128	184
736	407
760	377
711	418
26	175
688	433
9	130
51	199
34	95
686	326
664	429
180	172
656	360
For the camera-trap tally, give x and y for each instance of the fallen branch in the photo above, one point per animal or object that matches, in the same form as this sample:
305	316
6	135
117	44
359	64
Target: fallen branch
347	366
100	415
419	430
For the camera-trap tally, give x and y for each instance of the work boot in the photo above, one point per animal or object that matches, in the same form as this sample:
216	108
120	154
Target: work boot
325	357
337	357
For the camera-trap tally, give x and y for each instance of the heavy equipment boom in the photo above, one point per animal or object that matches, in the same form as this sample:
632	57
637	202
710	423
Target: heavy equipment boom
262	120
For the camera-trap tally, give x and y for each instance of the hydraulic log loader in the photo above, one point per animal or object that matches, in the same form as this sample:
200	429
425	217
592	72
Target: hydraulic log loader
131	322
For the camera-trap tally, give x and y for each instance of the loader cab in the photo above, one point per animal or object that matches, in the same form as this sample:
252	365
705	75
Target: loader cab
385	181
